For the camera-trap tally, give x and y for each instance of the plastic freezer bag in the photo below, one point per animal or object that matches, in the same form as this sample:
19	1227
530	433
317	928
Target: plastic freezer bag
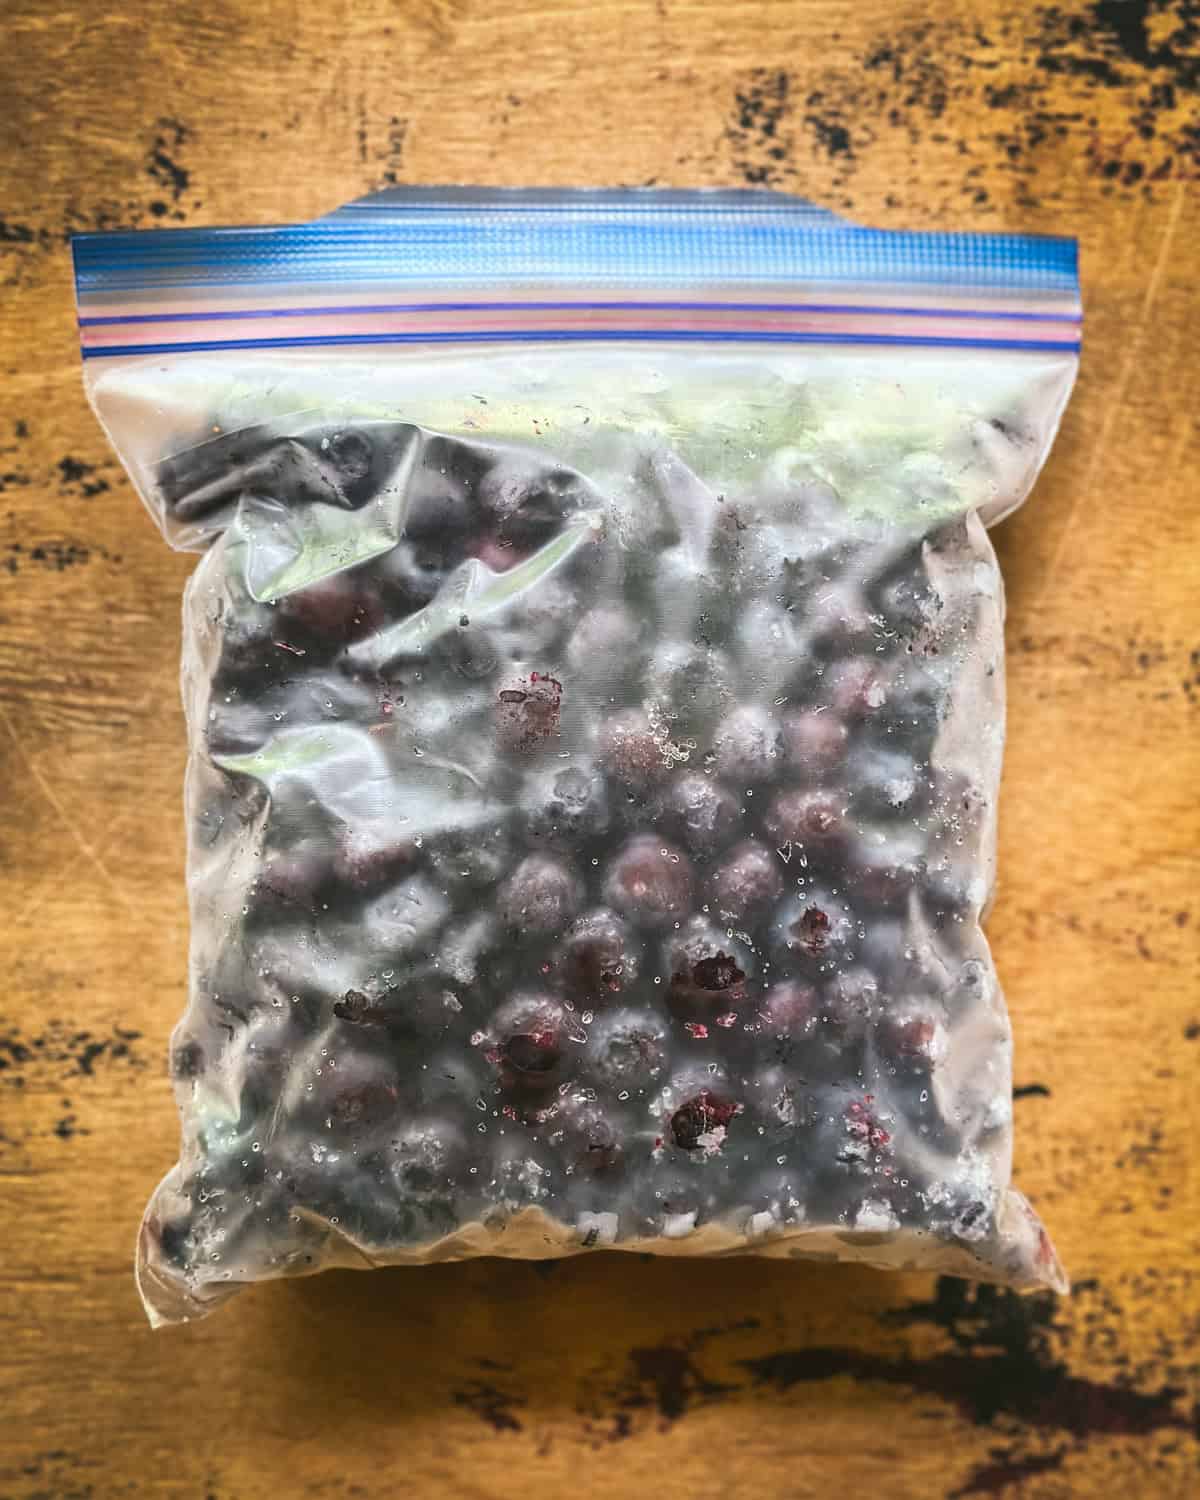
595	693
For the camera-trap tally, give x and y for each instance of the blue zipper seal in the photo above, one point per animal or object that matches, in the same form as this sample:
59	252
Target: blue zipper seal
471	237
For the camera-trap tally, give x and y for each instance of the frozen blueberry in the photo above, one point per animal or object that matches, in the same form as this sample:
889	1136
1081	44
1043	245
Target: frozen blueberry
530	1052
427	1158
598	959
247	631
630	750
849	1004
351	452
706	971
358	1092
776	1199
292	877
670	1203
586	1135
814	930
566	806
772	648
421	1011
747	880
911	1038
814	741
237	726
777	1096
805	816
469	947
333	611
604	645
689	685
264	1062
474	856
540	896
746	744
649	881
789	1009
528	712
883	780
469	652
839	620
701	1122
409	575
402	924
527	503
910	606
440	514
856	686
866	1136
368	857
913	700
626	1050
700	812
886	864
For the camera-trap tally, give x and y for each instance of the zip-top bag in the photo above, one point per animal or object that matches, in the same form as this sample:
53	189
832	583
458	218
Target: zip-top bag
595	689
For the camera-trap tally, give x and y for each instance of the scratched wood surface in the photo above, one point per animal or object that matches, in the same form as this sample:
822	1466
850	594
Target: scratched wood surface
612	1376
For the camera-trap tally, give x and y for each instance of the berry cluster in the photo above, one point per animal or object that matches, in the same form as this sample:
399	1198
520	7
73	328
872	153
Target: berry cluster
625	862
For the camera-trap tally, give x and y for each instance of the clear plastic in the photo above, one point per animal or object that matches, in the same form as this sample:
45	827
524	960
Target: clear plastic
594	754
592	809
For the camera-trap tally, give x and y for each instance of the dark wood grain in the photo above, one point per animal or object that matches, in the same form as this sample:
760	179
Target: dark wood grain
610	1376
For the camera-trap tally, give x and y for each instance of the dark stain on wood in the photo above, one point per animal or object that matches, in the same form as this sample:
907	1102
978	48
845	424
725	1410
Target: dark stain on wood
59	1050
490	1405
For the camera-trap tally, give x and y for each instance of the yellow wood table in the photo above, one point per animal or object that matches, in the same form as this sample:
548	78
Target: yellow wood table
611	1376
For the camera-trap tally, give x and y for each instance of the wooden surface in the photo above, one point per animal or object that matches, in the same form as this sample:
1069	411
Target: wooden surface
612	1377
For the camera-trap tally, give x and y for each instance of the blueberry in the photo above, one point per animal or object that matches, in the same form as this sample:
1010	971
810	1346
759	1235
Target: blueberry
427	1158
366	858
527	502
626	1051
473	857
586	1134
884	780
746	744
855	687
352	452
605	645
530	1052
650	882
689	686
706	972
566	807
630	750
701	1122
332	612
540	896
528	712
700	812
598	958
839	621
805	816
359	1093
814	741
747	879
788	1009
813	931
